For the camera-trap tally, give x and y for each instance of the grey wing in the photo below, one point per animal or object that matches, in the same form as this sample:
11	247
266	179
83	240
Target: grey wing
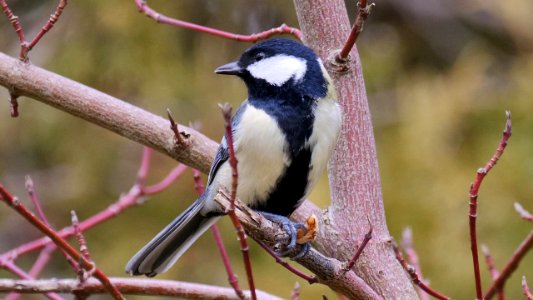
223	152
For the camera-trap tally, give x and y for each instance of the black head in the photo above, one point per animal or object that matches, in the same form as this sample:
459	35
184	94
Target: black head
279	66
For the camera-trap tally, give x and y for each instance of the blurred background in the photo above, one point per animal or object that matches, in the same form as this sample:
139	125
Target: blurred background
439	75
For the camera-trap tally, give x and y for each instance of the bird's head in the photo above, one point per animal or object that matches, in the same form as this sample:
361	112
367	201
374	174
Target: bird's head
279	66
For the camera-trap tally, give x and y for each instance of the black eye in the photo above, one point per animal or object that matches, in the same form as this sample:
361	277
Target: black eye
259	56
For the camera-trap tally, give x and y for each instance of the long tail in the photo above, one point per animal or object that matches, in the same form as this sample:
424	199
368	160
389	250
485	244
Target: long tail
169	244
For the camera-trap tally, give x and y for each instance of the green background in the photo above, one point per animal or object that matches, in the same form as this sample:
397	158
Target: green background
439	76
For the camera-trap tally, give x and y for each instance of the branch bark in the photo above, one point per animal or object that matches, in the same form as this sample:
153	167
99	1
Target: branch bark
354	176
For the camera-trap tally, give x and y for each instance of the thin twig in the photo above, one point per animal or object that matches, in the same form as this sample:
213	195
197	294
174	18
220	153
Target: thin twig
524	214
49	24
295	295
126	201
310	279
510	266
525	288
412	258
30	188
473	195
232	278
414	276
84	250
13	104
363	10
245	249
366	239
143	7
174	127
492	268
60	242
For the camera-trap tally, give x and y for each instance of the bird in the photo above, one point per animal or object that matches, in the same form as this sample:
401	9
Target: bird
283	136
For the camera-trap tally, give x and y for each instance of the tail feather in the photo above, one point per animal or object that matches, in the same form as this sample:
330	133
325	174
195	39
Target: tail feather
169	244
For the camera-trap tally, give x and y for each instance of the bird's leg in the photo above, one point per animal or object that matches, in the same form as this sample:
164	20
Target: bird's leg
291	228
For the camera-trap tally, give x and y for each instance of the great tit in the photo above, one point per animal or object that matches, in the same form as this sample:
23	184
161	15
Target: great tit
284	134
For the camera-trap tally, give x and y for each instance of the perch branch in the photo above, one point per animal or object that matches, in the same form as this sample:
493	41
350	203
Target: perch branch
329	271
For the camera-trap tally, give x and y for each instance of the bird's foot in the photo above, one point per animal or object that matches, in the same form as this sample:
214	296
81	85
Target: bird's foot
296	247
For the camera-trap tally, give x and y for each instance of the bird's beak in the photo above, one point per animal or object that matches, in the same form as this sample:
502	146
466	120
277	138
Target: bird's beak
232	68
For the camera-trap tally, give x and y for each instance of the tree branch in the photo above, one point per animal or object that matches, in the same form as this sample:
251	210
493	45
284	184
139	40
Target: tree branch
329	271
353	169
130	286
106	111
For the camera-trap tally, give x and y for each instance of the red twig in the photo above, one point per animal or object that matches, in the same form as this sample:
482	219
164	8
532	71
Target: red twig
84	250
60	242
474	189
524	214
510	266
412	257
366	239
492	268
13	104
26	46
232	278
174	127
296	292
49	24
14	20
143	7
38	208
525	288
363	10
133	197
226	111
414	276
310	279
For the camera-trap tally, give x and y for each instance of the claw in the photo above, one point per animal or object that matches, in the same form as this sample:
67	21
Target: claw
292	230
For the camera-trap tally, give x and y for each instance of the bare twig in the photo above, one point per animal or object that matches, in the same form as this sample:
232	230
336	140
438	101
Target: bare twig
84	250
363	10
232	278
245	249
174	127
492	268
414	276
366	239
524	214
131	286
49	24
510	266
60	242
143	7
13	104
296	292
412	258
310	279
525	288
473	195
126	201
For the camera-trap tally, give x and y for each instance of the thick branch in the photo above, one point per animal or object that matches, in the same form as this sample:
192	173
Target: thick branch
353	169
106	111
131	286
329	271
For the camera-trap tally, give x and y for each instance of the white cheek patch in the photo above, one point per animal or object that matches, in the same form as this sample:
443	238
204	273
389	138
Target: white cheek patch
277	70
